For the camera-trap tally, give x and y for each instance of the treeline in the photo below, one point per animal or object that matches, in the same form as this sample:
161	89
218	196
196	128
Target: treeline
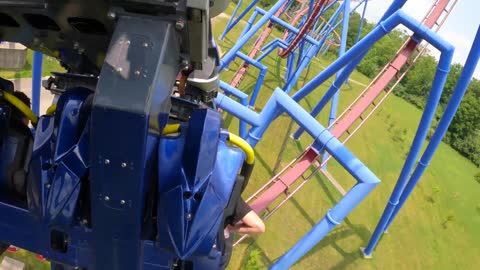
464	132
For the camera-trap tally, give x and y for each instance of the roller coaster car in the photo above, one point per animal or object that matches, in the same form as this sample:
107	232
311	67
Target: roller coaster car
131	168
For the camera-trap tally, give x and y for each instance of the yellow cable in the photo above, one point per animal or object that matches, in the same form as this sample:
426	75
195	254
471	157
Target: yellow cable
51	110
238	141
170	129
17	103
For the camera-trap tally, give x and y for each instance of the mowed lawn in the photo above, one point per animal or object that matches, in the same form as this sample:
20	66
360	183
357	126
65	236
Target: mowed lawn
439	227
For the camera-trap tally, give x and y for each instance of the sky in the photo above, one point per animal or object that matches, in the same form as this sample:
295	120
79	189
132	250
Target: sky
459	29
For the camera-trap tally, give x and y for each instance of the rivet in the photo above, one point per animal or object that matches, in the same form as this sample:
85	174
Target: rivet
122	202
124	165
111	15
180	24
107	161
107	198
189	216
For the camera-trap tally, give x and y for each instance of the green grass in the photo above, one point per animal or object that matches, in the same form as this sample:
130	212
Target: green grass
418	239
49	64
31	263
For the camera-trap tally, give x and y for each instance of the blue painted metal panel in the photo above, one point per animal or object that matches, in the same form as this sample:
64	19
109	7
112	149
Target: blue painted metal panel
195	184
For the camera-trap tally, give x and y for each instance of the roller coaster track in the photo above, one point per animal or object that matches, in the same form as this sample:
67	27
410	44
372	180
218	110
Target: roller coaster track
306	165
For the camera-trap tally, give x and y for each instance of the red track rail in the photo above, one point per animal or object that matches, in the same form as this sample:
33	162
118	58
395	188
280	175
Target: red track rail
308	159
317	9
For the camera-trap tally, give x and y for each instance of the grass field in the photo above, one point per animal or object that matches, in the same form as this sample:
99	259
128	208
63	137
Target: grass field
439	227
49	64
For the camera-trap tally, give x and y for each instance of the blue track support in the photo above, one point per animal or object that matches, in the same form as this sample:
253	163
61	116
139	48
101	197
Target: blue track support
242	129
345	74
36	81
281	102
290	63
249	24
271	48
430	108
445	121
231	23
263	72
341	51
307	58
362	21
286	25
230	55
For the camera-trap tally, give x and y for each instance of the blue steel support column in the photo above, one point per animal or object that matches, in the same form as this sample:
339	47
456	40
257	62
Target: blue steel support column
250	21
344	75
36	81
258	85
243	100
341	51
229	23
430	108
359	51
308	57
230	55
270	49
281	102
261	76
443	125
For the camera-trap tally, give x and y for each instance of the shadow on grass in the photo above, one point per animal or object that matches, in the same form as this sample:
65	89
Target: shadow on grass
302	211
331	240
253	245
263	163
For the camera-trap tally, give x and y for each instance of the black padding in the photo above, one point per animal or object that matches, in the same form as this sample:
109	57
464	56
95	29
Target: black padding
17	169
6	85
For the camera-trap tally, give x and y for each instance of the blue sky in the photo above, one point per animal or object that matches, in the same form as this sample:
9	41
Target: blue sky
459	29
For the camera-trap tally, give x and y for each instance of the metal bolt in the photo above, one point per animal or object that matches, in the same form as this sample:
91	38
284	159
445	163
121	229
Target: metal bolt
111	15
107	161
189	216
122	202
180	24
124	165
107	198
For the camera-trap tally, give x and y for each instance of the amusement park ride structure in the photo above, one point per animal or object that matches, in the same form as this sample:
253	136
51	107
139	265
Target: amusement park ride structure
131	167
